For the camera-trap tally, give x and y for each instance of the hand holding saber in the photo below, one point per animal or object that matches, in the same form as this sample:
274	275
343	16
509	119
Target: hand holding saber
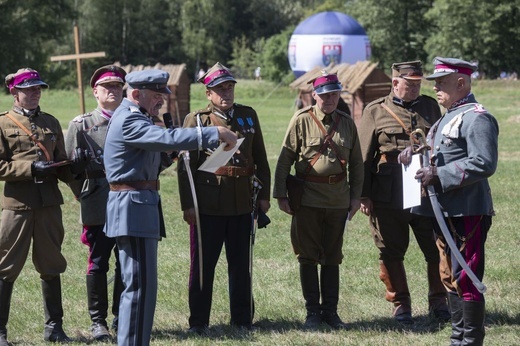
440	218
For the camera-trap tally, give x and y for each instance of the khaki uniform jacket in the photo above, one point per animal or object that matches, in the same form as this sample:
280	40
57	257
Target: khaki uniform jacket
223	195
18	151
380	133
88	131
303	140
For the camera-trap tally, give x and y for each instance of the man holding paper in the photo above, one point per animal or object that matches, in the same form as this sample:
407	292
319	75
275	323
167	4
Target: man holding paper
224	200
384	131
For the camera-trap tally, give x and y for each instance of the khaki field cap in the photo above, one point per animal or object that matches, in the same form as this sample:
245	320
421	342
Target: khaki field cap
326	83
24	78
153	79
107	74
446	66
216	75
411	70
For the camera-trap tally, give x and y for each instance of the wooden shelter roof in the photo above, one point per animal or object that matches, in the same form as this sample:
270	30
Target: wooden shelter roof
175	71
351	76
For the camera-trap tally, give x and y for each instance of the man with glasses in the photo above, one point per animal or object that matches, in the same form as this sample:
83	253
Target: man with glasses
385	130
87	132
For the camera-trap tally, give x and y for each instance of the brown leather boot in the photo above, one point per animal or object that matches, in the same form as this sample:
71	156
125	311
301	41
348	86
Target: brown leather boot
393	276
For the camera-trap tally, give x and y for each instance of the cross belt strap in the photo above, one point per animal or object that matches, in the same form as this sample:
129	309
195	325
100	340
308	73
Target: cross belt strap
406	129
31	136
234	171
135	185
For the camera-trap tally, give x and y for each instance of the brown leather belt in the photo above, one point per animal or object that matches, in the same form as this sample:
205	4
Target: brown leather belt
329	179
388	158
135	185
96	174
234	171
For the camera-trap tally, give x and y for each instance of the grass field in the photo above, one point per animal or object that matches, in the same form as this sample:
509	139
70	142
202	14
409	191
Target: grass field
279	303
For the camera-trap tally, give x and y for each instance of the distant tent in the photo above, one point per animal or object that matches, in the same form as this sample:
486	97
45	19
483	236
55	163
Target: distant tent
362	83
178	104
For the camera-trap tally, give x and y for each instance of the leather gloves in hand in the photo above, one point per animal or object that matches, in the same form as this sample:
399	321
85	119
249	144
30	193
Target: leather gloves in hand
428	176
405	156
80	161
42	169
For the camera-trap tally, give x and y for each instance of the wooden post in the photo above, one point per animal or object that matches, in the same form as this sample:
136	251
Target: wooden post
78	56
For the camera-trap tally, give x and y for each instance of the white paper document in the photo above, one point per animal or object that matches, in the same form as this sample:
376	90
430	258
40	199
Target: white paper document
219	158
411	186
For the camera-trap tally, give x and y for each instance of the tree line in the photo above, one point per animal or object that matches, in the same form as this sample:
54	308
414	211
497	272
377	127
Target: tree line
244	34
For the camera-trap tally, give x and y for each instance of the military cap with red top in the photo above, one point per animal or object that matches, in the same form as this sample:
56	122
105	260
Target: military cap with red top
24	78
108	74
411	70
446	66
216	75
326	83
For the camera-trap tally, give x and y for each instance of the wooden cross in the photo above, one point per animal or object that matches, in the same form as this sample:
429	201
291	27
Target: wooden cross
78	58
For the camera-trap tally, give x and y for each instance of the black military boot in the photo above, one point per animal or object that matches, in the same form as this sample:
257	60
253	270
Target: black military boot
474	313
330	296
52	305
6	290
97	297
457	319
311	294
116	298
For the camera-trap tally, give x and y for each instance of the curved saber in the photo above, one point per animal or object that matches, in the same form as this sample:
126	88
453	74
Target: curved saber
442	224
186	157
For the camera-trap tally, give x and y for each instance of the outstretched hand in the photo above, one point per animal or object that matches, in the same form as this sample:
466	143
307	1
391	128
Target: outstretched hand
228	137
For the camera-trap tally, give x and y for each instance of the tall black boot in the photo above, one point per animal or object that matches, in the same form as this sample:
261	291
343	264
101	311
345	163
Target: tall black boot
97	297
330	296
52	305
311	294
6	290
457	319
474	313
116	297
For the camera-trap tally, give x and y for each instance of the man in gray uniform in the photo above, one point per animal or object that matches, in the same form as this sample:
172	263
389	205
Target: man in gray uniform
132	162
464	154
88	132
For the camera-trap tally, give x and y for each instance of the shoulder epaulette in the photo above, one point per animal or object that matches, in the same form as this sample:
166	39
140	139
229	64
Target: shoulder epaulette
343	114
81	117
376	101
302	110
50	115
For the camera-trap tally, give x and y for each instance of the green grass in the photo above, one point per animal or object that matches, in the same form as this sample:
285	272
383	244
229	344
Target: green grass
279	303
